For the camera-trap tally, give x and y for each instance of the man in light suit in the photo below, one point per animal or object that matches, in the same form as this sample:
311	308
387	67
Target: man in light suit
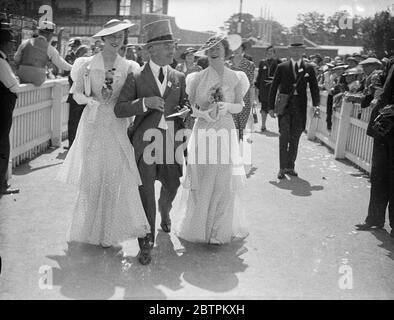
151	95
292	123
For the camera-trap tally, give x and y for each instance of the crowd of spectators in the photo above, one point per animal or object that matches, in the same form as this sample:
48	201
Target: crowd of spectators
349	77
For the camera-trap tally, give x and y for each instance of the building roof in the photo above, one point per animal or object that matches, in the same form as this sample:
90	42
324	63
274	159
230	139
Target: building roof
342	50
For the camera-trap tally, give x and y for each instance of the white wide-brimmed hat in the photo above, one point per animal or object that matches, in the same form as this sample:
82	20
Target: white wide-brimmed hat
234	41
113	26
47	26
370	60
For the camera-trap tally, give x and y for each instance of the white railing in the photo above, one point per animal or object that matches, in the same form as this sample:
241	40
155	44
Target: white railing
39	119
348	137
41	114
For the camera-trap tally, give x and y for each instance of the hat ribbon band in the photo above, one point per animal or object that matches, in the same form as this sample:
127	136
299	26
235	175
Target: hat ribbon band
161	38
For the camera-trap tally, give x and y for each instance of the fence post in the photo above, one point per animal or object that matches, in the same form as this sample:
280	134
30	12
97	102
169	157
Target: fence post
56	139
9	171
343	129
311	123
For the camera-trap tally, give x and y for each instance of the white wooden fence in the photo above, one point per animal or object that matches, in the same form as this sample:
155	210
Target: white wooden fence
41	114
348	137
39	119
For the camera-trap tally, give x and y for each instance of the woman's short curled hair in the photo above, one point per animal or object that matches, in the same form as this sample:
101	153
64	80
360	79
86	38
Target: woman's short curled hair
124	33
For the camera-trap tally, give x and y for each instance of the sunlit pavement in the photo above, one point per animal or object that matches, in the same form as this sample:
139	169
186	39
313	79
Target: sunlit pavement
302	242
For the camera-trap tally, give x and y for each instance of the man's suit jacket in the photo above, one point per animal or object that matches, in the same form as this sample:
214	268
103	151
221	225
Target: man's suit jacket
267	68
284	80
387	97
142	84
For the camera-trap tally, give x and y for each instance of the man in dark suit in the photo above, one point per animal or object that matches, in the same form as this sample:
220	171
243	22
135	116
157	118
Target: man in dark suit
382	164
8	88
292	123
267	68
151	95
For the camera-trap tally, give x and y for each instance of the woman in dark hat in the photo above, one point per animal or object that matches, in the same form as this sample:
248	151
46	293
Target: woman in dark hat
75	109
240	63
188	65
101	161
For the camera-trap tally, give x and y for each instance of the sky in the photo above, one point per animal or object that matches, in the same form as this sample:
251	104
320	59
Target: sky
203	15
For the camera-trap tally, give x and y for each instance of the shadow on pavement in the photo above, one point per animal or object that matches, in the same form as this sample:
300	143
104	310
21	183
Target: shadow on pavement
26	168
269	134
251	172
91	272
387	241
361	172
299	187
62	155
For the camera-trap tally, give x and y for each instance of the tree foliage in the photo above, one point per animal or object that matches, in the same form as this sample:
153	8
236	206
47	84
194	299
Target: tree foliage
338	29
251	28
246	20
377	32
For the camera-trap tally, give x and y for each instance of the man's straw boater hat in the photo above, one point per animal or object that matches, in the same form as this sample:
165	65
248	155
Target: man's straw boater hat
158	32
113	26
234	41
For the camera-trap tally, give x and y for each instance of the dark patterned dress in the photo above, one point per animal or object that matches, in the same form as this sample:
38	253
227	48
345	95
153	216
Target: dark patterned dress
189	121
241	119
182	68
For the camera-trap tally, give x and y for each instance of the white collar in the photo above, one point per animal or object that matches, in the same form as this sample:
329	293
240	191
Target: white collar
98	62
156	68
3	54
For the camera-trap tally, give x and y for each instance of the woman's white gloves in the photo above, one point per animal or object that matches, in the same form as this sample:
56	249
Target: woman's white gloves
197	113
225	107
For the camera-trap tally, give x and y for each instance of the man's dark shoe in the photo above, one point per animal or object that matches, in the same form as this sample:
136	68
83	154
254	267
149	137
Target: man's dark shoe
292	172
263	129
166	226
367	226
281	174
144	256
10	191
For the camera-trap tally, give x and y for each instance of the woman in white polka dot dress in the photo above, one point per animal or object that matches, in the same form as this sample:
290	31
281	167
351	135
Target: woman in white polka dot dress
101	160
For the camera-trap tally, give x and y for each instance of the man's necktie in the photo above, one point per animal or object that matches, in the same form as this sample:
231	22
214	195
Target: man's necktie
161	75
295	76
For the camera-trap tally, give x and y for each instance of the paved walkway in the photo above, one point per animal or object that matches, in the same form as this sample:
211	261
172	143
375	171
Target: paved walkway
301	237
